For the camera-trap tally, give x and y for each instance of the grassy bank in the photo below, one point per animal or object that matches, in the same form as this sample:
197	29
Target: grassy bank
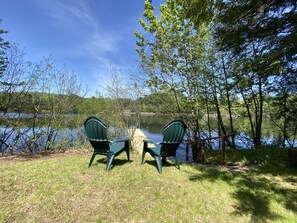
62	189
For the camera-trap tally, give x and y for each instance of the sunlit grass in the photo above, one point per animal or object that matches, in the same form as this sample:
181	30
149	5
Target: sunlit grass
64	189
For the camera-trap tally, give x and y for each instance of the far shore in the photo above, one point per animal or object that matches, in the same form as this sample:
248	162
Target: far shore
128	113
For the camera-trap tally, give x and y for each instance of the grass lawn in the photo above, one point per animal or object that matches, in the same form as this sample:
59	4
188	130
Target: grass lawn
61	188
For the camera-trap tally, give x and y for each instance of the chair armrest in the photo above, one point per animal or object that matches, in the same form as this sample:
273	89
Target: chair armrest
146	142
120	140
170	143
149	141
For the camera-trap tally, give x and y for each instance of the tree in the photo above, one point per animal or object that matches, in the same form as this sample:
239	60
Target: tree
262	26
180	60
14	87
169	55
259	35
257	38
4	45
39	92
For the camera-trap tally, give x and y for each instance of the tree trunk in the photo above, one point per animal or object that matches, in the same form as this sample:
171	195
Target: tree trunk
229	102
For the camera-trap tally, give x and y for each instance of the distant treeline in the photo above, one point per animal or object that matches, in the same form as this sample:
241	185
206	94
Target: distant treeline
47	103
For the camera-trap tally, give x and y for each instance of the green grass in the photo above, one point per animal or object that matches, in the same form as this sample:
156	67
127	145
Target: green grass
63	189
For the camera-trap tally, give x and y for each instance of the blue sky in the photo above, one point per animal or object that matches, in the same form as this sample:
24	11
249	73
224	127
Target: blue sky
87	35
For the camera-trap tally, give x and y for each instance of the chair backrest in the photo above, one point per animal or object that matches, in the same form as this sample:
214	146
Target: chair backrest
174	133
96	132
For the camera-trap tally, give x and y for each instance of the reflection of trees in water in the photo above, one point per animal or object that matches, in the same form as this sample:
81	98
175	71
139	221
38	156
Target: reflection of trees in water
74	137
155	124
152	124
270	135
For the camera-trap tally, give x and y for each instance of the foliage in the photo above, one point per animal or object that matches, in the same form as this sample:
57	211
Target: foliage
267	27
159	103
4	45
217	53
180	60
39	91
258	35
283	113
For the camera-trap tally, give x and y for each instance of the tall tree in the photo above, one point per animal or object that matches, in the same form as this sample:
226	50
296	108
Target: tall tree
3	47
172	53
180	59
260	35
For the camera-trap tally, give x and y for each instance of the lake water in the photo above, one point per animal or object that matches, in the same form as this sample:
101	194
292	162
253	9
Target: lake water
152	126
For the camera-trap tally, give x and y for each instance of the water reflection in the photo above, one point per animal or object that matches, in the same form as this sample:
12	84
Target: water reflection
152	126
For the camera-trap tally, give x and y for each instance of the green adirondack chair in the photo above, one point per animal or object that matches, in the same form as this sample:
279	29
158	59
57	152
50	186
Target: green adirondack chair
96	132
173	135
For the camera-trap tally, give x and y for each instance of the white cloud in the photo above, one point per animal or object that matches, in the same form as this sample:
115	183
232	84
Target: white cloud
75	16
87	38
68	13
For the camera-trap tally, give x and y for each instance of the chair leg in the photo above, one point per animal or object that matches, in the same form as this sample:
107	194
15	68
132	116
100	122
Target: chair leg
92	158
159	164
177	163
110	158
127	146
142	158
128	155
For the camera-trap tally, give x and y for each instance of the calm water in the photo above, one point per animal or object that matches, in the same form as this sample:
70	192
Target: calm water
152	126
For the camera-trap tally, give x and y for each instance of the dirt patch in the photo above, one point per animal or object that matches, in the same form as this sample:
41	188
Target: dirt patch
235	167
26	156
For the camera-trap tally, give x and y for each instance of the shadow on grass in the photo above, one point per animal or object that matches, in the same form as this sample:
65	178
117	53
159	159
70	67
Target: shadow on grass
164	163
115	162
254	192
